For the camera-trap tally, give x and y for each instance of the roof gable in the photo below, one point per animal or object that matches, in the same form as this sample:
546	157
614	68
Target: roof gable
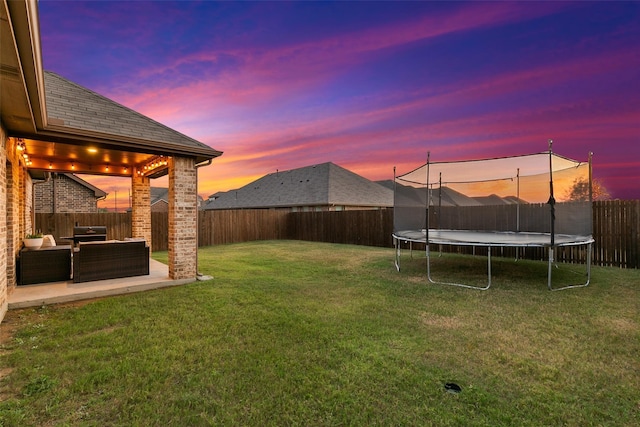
158	194
98	193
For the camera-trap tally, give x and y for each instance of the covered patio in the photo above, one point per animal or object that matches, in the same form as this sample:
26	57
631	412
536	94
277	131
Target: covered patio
50	124
67	291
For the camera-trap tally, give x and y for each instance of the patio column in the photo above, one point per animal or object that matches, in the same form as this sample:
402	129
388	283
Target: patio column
141	207
183	218
4	223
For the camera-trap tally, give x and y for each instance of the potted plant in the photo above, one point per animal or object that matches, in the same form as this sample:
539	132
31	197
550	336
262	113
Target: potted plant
33	241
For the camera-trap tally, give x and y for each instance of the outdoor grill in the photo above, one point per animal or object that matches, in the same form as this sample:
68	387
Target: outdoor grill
89	234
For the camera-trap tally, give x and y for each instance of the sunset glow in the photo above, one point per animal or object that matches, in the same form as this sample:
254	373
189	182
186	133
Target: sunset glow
368	86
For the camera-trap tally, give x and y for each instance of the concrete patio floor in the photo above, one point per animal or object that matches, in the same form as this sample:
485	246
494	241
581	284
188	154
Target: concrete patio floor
67	291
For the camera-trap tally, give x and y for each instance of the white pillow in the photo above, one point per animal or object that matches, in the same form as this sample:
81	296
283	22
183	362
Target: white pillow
48	241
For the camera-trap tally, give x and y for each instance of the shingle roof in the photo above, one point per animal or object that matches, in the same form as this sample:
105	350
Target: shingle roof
326	184
158	194
82	109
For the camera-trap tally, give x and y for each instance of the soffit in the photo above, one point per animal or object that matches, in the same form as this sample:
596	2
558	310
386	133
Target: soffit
15	108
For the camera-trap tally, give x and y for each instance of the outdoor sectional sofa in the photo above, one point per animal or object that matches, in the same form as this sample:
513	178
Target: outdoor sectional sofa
110	260
47	264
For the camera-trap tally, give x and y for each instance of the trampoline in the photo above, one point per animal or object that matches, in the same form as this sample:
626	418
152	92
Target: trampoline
456	211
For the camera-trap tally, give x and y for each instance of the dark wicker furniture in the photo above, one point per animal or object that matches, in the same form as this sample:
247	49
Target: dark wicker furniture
110	260
51	264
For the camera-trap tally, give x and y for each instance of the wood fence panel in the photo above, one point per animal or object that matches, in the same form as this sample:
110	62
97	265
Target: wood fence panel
234	226
616	228
61	224
366	227
159	231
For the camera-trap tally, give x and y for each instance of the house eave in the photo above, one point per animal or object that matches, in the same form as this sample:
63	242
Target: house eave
64	135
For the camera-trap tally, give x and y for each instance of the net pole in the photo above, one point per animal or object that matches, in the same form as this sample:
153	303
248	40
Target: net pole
439	200
428	195
395	199
427	210
518	209
552	203
590	193
552	200
590	178
396	242
518	200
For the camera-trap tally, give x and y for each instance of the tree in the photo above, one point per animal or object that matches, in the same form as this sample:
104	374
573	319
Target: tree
579	191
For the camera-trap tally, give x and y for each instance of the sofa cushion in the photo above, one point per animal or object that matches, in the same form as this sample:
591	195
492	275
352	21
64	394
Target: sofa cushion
48	241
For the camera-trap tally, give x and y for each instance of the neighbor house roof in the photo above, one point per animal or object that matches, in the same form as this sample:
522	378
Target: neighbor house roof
326	184
159	194
443	196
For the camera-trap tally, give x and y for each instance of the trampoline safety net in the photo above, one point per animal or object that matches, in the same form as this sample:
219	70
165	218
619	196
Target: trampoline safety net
539	193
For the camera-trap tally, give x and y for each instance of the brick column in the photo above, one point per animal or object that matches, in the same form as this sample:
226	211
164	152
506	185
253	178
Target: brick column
15	214
141	207
183	218
4	221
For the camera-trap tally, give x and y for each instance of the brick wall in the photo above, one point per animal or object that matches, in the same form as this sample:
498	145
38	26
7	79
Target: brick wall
16	214
183	218
141	207
61	194
4	293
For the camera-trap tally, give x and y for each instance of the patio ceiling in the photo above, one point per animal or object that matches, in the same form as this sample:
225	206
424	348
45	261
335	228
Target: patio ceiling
90	158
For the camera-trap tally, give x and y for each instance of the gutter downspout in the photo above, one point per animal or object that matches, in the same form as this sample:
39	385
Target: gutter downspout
199	276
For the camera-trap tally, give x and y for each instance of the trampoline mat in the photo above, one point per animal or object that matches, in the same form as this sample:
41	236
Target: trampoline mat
491	238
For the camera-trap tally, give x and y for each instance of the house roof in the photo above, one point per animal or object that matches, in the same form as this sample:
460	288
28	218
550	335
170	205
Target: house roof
159	194
326	184
70	105
407	195
451	197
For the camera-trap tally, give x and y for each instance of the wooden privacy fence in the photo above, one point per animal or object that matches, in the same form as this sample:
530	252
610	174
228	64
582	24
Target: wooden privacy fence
616	230
61	225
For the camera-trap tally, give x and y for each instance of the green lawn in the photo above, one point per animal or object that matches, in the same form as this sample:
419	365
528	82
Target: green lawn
309	334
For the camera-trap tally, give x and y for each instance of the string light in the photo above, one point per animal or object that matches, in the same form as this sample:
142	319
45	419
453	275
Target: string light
154	164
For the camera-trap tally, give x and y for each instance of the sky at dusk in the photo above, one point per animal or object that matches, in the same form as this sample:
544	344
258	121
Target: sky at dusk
366	85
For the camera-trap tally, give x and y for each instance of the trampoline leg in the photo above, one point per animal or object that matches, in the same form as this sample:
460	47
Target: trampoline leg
589	246
396	243
488	266
428	264
550	267
462	285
